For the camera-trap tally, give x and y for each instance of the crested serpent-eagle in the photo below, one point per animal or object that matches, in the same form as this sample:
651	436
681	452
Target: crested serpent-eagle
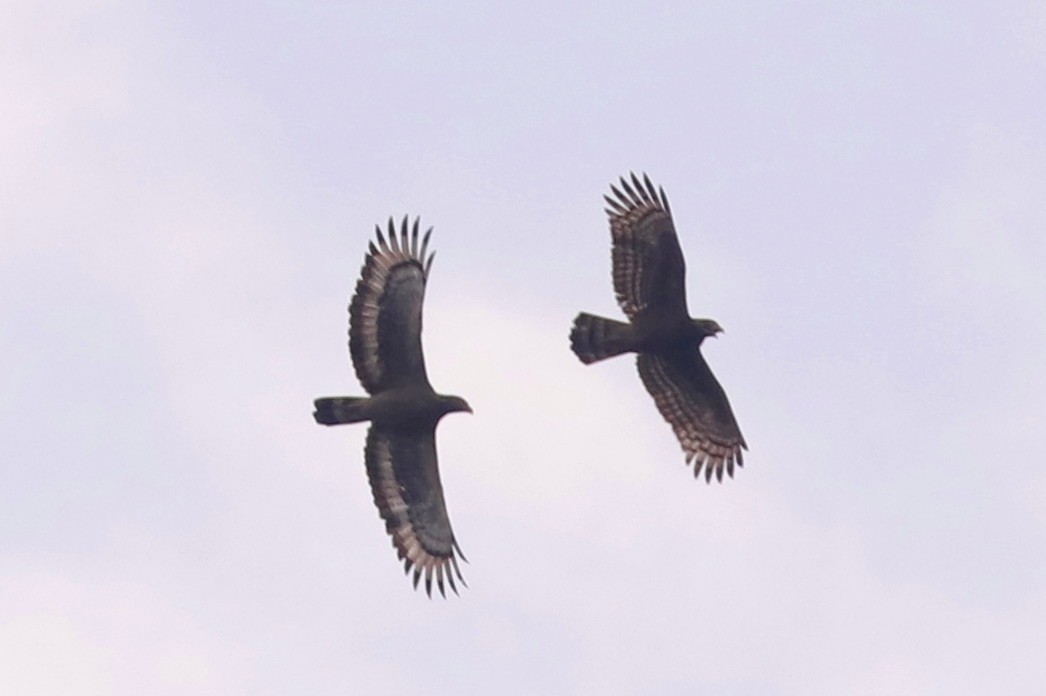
649	282
403	408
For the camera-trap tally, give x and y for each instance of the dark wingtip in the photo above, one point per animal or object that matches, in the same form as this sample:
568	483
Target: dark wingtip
631	194
652	191
424	250
639	187
450	579
457	570
402	246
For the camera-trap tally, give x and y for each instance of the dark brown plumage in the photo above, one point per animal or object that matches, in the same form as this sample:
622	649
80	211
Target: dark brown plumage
649	282
403	409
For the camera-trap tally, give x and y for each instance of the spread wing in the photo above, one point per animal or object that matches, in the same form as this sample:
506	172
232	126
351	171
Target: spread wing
385	313
649	270
689	397
404	478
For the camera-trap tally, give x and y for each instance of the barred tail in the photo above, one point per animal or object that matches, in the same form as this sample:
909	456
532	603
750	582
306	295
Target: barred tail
595	338
333	410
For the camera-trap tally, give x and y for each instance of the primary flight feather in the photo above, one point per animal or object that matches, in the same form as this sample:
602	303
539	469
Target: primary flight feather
403	408
649	282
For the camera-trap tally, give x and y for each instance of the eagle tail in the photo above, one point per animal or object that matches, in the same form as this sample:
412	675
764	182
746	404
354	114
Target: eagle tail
333	410
595	338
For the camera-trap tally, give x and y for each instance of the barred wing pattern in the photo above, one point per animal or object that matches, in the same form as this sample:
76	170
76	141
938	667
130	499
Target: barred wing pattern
690	398
648	266
385	313
404	478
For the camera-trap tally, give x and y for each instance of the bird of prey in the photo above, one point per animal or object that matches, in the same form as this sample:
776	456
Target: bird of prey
649	282
403	409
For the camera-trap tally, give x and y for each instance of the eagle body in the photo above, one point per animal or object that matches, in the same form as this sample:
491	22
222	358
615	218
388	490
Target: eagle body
649	283
403	409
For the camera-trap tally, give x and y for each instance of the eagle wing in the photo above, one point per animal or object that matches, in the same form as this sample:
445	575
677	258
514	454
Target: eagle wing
690	398
404	478
648	265
385	313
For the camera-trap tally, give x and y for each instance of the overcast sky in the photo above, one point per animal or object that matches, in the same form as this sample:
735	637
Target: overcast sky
186	195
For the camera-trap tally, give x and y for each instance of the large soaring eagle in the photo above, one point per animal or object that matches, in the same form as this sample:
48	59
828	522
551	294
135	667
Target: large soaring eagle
649	281
403	408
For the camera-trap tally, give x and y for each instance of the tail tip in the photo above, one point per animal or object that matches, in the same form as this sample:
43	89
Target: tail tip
324	412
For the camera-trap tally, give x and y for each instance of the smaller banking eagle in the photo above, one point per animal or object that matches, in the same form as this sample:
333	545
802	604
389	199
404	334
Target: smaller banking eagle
403	408
649	282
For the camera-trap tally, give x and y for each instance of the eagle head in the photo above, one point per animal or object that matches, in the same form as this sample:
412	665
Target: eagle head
452	404
705	328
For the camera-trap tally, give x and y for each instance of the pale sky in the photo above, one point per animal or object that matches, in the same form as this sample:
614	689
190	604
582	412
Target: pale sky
186	195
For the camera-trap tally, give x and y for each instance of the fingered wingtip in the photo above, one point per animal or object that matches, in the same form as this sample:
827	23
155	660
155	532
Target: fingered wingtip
636	191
